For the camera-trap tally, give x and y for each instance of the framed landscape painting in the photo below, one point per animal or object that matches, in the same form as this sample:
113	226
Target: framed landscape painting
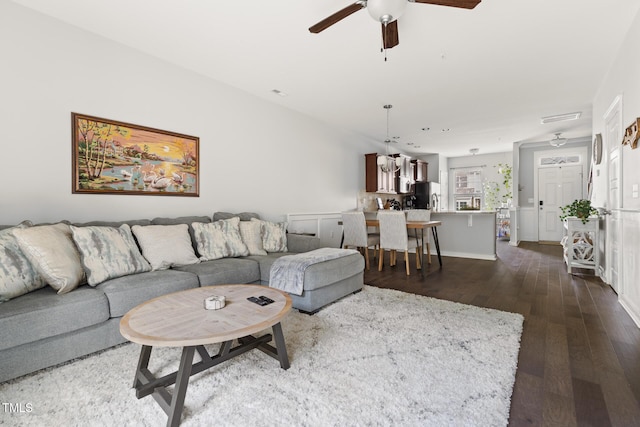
111	157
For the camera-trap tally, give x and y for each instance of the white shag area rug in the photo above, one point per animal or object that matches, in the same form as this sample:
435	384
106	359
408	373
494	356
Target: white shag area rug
379	357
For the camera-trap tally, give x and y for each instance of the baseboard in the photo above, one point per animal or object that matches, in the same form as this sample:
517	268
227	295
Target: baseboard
630	311
487	257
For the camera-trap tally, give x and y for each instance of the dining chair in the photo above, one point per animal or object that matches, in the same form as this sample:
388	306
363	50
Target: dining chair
420	215
394	237
356	235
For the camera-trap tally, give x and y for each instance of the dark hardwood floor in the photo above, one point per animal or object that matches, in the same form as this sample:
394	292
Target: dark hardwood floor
579	362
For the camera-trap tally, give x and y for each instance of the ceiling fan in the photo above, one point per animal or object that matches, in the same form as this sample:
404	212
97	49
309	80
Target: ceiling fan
386	12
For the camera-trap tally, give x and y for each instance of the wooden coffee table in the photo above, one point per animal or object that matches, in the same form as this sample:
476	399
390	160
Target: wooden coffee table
180	320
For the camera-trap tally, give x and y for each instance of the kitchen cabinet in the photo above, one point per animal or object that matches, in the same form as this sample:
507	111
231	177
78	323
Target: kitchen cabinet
419	170
378	180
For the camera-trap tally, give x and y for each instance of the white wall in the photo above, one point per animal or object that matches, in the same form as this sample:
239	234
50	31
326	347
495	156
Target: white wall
254	155
622	79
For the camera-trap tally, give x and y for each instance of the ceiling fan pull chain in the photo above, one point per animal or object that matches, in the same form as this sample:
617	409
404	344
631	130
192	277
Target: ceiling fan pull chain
384	48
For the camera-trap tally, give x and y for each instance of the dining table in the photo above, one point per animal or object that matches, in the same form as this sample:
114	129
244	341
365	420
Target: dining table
418	225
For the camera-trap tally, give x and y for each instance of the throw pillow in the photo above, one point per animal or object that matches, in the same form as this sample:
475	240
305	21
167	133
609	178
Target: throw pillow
165	246
51	251
108	252
17	275
252	237
219	239
274	235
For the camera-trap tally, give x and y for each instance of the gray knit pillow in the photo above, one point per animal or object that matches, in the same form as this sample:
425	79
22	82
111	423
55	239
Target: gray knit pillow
219	239
17	274
108	252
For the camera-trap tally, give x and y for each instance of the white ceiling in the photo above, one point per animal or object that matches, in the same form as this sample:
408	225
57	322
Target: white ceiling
487	74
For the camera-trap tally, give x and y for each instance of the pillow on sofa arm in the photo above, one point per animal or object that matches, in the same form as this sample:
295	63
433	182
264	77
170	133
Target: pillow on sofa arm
17	274
219	239
108	252
166	246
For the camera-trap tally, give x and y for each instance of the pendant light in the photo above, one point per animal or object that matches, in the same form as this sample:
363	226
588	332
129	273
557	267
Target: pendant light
383	161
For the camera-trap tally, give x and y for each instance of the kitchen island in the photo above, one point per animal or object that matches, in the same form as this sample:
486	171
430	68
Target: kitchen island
463	234
467	234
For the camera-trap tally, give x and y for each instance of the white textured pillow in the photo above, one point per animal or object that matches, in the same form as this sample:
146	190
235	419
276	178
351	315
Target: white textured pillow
274	235
252	237
165	246
53	254
17	275
219	239
108	252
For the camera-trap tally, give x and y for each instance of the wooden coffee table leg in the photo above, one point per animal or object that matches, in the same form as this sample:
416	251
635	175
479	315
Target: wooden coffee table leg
180	391
280	346
143	364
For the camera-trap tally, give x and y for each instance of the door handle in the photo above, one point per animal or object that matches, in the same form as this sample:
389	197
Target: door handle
541	203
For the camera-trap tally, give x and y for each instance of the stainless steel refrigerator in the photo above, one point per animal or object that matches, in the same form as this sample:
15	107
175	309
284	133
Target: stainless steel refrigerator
427	195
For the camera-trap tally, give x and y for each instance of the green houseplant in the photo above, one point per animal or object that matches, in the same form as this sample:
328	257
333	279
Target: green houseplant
580	208
496	194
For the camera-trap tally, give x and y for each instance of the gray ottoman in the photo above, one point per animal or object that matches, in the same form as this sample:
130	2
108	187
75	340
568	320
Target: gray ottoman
324	282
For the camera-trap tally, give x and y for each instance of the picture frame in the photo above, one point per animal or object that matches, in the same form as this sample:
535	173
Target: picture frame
113	157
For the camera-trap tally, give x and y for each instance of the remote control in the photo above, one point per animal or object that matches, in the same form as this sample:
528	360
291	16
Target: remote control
265	299
257	301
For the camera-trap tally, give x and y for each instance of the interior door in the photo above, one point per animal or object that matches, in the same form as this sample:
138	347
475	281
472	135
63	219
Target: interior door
612	136
557	186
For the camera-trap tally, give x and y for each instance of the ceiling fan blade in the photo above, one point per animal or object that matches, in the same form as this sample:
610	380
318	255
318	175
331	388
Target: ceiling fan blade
465	4
390	34
336	17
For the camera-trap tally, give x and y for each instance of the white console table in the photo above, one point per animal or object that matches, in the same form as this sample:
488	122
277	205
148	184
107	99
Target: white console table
580	243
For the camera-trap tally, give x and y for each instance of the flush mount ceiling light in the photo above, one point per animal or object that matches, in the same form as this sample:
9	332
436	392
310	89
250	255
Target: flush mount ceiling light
560	118
383	161
474	151
557	141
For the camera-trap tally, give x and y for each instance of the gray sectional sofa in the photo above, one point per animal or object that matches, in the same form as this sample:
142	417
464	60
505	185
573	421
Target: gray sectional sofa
42	328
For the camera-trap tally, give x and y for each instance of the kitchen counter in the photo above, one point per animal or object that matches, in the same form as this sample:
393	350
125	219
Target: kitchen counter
464	212
467	234
463	234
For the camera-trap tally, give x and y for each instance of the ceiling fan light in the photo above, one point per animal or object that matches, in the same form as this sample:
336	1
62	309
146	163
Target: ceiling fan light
386	11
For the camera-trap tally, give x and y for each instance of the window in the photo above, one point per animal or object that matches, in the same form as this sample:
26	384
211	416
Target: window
559	160
467	191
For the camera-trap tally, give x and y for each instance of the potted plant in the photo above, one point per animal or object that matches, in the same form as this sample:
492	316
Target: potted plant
580	208
496	195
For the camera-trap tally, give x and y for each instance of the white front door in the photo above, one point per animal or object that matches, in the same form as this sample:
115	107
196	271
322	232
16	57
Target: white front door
557	186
